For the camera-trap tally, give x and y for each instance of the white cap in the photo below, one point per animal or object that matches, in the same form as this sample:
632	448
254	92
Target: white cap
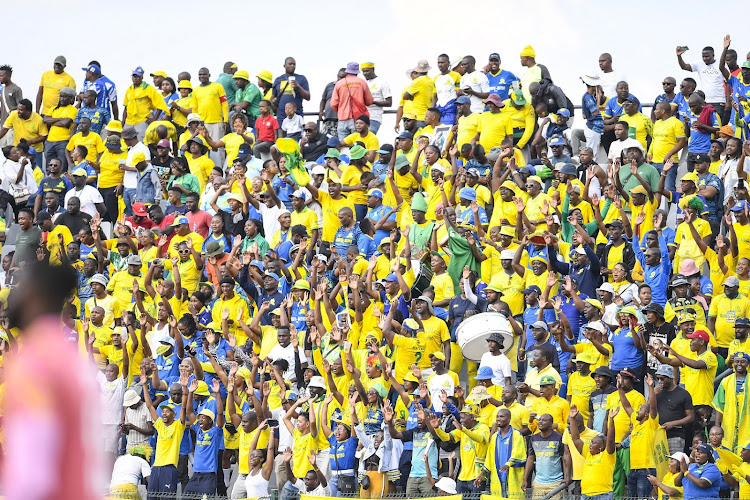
317	381
193	117
131	397
284	211
318	170
607	287
438	167
447	485
580	250
596	325
679	456
507	255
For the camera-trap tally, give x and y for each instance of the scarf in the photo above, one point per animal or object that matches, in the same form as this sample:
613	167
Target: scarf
705	116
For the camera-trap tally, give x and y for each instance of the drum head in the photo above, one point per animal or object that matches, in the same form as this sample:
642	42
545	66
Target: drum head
473	332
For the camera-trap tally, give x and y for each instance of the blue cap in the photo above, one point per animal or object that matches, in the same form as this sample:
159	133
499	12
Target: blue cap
272	275
740	206
526	170
244	151
333	142
405	135
705	448
138	71
258	264
569	169
377	193
563	112
468	193
556	140
741	355
385	149
532	289
180	220
633	99
463	100
484	373
494	55
391	277
742	322
94	68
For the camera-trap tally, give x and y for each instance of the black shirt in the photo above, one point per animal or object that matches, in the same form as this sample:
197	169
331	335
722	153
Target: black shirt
73	222
671	406
315	148
27	243
234	223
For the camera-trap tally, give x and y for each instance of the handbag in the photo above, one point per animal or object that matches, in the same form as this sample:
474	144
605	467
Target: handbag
346	484
20	195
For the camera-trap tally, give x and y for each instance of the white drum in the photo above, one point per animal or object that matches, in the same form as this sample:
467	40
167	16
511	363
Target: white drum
473	332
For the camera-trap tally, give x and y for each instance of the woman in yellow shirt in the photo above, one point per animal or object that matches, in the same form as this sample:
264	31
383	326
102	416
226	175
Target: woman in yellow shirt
198	161
667	482
233	140
180	107
352	185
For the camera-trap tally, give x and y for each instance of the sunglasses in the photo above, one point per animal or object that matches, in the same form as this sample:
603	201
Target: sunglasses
183	251
309	130
669	83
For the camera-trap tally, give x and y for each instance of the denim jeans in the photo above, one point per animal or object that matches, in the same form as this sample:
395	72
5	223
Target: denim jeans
345	128
333	484
128	196
467	487
671	180
602	496
638	483
289	492
374	126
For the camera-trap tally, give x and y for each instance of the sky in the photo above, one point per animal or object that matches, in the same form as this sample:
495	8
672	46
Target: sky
568	37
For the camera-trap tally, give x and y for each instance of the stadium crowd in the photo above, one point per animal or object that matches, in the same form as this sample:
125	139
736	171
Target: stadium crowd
270	301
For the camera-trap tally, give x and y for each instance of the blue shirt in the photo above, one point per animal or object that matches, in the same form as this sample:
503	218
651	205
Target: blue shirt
593	121
707	471
422	443
380	169
657	277
713	204
569	309
682	105
343	452
282	88
376	215
548	453
625	354
467	216
168	367
500	83
613	107
106	92
739	89
99	117
61	185
207	445
221	240
344	238
700	141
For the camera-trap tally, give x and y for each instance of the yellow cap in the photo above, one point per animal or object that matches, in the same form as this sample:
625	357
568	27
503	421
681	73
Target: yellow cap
639	190
528	51
159	73
409	115
114	126
366	65
266	76
183	84
137	158
80	172
241	74
690	176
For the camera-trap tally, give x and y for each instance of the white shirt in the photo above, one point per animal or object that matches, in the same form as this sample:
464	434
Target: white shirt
130	179
618	147
111	397
270	219
10	173
478	82
445	89
500	367
728	175
609	82
89	197
140	417
380	90
287	353
438	383
129	469
320	491
285	437
710	81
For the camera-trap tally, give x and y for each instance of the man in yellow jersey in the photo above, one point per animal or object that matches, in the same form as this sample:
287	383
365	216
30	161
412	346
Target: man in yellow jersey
60	121
140	100
210	101
724	312
420	91
468	123
49	88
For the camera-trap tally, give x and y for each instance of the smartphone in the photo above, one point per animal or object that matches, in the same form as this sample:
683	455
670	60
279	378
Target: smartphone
274	423
683	48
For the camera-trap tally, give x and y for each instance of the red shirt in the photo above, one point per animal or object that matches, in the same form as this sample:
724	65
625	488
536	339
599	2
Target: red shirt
145	223
200	222
266	125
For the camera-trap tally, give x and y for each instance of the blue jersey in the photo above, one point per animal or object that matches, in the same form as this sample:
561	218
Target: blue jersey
377	214
500	83
207	446
700	142
106	92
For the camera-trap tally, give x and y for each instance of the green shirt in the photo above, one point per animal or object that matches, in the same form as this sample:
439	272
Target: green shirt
188	181
251	94
230	86
263	245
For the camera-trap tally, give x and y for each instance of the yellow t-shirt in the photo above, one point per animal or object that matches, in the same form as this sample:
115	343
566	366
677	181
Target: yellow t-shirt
598	471
151	137
436	332
468	126
30	129
140	101
534	209
189	275
622	421
688	248
201	168
352	177
111	308
93	143
648	208
580	388
408	351
210	101
701	381
307	218
53	246
246	439
668	480
642	441
578	461
58	134
743	238
237	306
110	174
331	209
493	128
51	84
511	284
726	311
640	127
473	452
370	140
177	116
443	286
666	134
168	442
557	408
421	90
121	286
519	415
232	143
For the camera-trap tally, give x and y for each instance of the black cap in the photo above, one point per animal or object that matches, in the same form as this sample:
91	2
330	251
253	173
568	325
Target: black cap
701	158
655	308
605	371
615	223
